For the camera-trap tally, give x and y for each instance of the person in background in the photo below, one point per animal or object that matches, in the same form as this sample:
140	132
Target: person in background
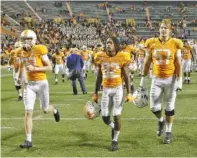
75	61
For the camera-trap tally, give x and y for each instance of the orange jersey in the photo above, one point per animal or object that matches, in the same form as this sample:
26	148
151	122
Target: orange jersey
33	57
85	54
111	67
163	55
186	53
58	58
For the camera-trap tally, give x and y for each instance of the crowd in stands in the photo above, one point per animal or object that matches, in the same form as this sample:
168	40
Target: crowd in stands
80	31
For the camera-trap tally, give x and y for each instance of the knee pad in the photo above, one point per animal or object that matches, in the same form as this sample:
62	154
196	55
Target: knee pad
18	87
156	112
106	120
169	113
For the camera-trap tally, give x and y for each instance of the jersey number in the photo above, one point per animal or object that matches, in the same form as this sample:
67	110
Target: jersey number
162	56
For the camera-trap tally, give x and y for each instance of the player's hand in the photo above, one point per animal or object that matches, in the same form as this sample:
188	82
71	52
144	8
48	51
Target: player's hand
179	84
30	68
95	97
128	98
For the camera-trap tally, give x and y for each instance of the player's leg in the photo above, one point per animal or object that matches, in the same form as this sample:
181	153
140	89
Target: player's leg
43	94
156	93
169	102
29	101
117	109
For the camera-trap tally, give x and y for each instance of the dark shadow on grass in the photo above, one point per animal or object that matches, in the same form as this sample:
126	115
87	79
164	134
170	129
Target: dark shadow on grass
9	98
86	141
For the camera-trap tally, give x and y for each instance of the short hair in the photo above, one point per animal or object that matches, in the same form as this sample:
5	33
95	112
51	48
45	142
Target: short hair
167	22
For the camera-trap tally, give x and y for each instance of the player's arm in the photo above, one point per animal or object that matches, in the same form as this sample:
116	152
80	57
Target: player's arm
98	80
98	84
147	63
125	73
178	69
46	65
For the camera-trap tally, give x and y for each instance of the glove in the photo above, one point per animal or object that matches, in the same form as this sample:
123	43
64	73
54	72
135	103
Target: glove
9	68
142	82
95	97
128	98
179	84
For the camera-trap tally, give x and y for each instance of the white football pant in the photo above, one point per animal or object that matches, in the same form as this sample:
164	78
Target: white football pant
112	99
35	89
163	90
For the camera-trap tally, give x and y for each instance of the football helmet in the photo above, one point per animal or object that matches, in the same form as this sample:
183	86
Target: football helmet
28	39
140	97
83	47
92	110
132	66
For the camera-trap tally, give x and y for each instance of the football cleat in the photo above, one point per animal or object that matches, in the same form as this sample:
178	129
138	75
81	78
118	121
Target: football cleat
167	138
57	115
20	98
114	146
160	127
140	97
27	144
92	110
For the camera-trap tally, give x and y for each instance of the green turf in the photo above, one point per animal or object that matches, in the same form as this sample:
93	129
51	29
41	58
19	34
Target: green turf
75	136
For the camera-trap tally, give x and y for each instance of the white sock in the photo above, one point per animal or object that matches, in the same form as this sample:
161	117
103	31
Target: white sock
20	92
168	127
55	111
116	134
111	125
56	80
188	78
161	119
28	137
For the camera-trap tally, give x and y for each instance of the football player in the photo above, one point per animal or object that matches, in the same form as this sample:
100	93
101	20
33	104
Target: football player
112	64
35	63
188	57
164	53
14	62
58	58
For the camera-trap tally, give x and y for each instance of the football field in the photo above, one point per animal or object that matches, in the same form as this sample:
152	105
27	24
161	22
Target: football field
75	136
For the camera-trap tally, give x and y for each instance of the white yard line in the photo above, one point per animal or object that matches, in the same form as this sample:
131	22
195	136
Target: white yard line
90	92
7	127
83	118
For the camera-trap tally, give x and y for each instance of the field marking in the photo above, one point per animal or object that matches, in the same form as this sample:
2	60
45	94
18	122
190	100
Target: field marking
90	92
5	75
6	127
83	118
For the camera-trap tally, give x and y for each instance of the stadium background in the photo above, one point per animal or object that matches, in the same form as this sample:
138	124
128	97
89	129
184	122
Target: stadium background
67	22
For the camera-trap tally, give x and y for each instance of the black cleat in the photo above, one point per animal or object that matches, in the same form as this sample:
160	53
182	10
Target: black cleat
63	80
85	92
114	146
57	115
185	81
188	81
20	98
167	138
56	83
27	144
160	127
